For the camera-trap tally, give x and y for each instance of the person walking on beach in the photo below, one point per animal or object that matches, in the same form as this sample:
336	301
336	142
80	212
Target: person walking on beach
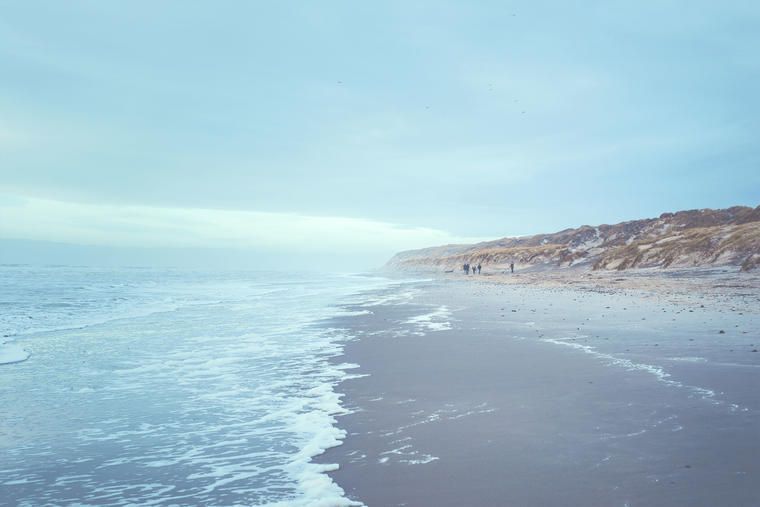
466	269
478	268
512	267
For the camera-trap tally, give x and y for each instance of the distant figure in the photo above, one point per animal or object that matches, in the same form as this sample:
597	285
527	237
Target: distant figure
512	267
466	269
478	268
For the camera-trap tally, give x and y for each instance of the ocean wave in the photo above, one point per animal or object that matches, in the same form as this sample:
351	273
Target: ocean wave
227	397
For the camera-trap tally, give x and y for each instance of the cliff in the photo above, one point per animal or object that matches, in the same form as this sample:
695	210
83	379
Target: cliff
705	237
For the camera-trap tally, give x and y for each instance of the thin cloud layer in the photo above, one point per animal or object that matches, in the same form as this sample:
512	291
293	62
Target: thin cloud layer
479	119
146	226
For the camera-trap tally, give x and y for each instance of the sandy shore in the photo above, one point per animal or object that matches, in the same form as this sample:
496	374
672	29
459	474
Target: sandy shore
541	395
716	284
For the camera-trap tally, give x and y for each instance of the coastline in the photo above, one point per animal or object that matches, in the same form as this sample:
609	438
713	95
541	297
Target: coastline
716	283
531	393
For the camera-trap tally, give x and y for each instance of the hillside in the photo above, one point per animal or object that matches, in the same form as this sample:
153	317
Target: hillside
706	237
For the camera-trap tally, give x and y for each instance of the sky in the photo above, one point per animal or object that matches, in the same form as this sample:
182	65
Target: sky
306	130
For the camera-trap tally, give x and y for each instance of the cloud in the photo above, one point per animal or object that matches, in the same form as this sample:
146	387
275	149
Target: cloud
147	226
456	117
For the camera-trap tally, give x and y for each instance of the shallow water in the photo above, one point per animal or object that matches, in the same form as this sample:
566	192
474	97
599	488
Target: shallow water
156	387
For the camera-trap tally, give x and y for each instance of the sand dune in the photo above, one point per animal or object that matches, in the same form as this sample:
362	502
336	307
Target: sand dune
706	237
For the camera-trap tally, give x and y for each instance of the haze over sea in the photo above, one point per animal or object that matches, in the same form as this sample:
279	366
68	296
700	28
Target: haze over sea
161	386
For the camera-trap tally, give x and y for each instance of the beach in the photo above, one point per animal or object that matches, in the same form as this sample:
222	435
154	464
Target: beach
470	392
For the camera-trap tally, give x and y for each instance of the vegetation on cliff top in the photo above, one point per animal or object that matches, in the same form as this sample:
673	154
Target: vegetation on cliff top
726	237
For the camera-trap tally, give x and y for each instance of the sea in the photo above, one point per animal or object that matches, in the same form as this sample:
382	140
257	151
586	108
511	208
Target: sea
138	386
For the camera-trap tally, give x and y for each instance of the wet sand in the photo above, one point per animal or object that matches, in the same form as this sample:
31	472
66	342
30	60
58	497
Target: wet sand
505	395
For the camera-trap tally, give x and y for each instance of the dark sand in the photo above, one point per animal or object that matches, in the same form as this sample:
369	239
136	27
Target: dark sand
635	401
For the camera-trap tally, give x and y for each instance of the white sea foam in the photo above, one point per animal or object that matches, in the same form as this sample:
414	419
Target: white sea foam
399	450
423	460
688	359
342	312
657	371
230	395
437	320
393	297
447	413
406	454
12	353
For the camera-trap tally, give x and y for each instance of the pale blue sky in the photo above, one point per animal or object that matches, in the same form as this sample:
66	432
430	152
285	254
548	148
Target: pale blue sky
453	120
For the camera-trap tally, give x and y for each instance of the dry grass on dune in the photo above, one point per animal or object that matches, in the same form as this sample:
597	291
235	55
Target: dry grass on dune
683	239
691	247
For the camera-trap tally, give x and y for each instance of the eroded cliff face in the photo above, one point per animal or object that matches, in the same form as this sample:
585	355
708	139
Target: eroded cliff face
727	237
